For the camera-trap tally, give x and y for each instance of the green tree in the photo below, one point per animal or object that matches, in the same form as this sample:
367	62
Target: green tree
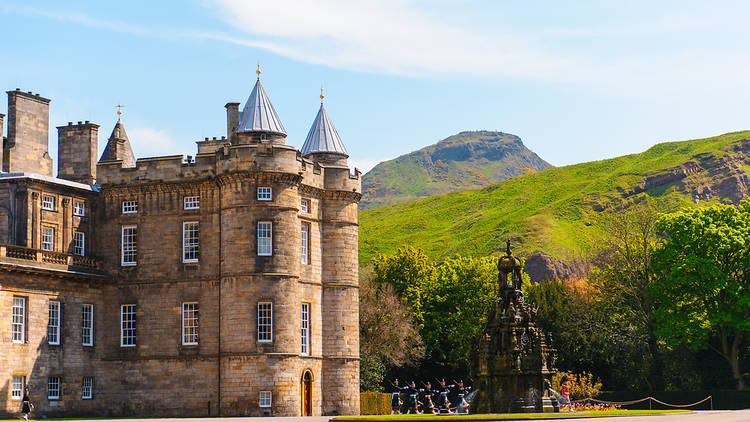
622	283
702	286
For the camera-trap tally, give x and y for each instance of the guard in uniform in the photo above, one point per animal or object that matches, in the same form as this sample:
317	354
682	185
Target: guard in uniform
444	406
463	405
395	398
427	404
412	391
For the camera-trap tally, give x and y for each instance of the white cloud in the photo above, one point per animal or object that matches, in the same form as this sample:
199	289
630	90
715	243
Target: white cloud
365	164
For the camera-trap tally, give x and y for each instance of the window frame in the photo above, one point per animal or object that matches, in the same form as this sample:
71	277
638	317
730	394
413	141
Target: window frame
79	208
262	250
134	248
90	386
196	252
265	399
305	243
48	246
305	329
265	319
79	245
14	324
130	207
54	323
45	203
58	381
191	202
195	327
304	205
264	195
132	321
17	394
90	324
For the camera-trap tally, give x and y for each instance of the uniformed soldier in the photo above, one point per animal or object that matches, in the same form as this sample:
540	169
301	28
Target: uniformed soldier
395	398
412	391
444	406
427	404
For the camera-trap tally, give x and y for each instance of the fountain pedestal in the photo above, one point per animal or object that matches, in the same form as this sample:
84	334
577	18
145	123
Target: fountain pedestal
513	358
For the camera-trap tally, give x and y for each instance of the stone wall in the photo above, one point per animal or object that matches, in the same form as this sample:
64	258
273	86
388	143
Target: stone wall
77	151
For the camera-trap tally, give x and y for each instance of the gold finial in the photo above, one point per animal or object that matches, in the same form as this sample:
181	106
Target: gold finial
321	94
257	72
119	111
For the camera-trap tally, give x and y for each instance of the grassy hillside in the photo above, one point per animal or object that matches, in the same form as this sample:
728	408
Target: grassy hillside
559	210
463	161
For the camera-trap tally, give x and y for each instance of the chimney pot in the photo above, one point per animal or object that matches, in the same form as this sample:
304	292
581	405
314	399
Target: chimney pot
87	122
79	122
70	123
30	92
206	138
214	138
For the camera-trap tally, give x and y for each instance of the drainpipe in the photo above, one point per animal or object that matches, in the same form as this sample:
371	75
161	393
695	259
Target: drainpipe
218	357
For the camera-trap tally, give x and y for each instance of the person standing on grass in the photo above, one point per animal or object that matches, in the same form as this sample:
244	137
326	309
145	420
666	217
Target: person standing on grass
565	391
27	405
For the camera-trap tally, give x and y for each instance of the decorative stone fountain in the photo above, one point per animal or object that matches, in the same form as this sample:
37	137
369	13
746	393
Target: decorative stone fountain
513	362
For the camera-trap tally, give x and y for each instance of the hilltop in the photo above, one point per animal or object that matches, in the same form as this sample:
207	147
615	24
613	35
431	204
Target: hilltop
554	216
463	161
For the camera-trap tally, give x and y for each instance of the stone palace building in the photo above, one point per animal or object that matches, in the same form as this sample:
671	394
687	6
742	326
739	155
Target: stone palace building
220	284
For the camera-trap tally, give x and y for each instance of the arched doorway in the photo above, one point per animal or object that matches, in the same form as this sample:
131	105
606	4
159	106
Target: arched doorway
306	389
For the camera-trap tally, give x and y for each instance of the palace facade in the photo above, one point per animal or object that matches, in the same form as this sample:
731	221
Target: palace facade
220	284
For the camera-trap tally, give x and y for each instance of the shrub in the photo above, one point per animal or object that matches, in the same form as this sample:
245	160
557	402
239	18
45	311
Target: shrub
581	385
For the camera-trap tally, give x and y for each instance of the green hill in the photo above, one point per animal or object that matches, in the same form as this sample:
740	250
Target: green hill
559	210
463	161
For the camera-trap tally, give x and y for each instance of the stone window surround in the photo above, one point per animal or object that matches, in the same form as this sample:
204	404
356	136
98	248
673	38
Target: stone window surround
54	324
79	243
191	202
132	246
265	322
48	237
265	399
265	238
190	242
87	324
265	193
79	208
54	384
128	332
190	323
129	207
87	388
305	247
17	384
304	205
305	329
19	313
49	202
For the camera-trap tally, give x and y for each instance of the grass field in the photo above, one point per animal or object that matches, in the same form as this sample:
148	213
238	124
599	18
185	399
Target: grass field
558	210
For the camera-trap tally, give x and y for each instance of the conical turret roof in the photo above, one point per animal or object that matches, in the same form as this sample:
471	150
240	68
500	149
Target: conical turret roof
118	147
322	136
259	114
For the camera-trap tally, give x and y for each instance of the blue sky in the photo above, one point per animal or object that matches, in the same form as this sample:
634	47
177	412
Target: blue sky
577	82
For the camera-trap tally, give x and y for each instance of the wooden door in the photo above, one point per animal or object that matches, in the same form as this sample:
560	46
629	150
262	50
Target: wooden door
307	394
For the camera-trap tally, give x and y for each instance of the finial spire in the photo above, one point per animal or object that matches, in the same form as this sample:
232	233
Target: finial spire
321	94
257	72
119	111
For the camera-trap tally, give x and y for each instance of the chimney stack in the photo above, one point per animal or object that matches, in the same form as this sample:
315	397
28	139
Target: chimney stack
27	149
77	151
233	119
2	139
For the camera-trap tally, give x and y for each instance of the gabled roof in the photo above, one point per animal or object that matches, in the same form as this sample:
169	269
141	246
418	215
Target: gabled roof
118	147
259	114
323	136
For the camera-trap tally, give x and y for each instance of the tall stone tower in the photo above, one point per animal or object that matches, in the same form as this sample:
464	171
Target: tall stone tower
77	148
340	266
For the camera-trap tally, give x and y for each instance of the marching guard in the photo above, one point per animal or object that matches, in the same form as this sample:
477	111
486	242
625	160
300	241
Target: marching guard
412	391
395	398
443	404
427	404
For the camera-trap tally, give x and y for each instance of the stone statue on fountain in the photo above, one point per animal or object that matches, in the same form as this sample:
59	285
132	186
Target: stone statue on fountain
513	361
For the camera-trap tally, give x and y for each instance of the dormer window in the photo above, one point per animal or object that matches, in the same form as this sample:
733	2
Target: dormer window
48	202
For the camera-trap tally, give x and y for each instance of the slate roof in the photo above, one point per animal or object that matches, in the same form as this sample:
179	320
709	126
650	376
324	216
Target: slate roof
259	114
323	136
